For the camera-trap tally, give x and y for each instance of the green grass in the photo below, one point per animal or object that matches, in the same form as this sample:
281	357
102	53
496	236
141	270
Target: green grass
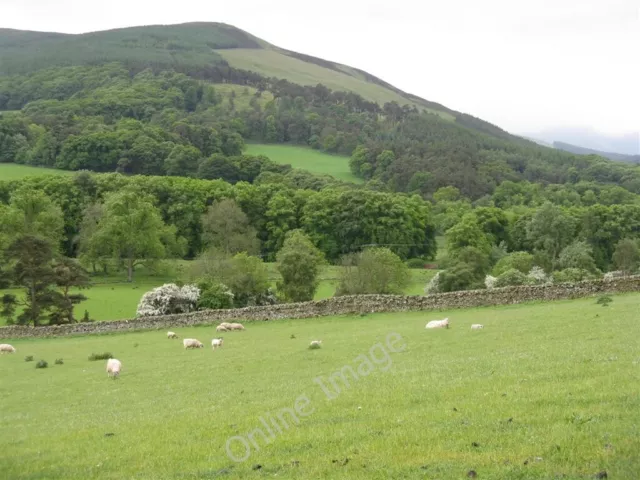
273	63
13	171
542	380
307	159
111	298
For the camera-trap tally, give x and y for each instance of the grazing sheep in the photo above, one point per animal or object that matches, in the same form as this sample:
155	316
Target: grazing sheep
477	326
235	326
216	342
192	343
222	328
172	335
315	344
438	323
6	348
113	367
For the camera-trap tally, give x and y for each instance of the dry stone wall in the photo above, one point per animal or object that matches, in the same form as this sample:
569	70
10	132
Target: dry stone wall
354	304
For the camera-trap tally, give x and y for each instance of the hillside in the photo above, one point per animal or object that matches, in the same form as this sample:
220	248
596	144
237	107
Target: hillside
567	147
174	100
197	45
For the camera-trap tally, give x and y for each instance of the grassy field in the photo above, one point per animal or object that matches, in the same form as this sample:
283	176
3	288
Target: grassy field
545	391
111	298
13	171
307	159
273	63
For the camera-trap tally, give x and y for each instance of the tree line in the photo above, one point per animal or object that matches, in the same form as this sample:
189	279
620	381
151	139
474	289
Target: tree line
109	117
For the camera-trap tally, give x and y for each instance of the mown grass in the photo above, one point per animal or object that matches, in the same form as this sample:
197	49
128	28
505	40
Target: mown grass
13	171
545	391
112	298
272	63
307	159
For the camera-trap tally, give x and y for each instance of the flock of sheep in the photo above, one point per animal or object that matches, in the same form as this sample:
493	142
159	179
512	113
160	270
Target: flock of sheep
114	366
445	324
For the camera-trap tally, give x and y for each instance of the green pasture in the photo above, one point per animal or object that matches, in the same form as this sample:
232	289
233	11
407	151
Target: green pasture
545	391
14	171
307	159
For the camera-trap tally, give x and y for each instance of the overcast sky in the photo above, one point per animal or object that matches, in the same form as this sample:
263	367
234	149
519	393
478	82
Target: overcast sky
523	65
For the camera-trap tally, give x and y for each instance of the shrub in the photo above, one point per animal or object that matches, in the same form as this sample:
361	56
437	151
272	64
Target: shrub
433	286
416	263
59	361
604	300
612	275
460	276
537	276
490	282
521	261
42	364
375	270
571	275
510	278
28	358
100	356
168	299
214	296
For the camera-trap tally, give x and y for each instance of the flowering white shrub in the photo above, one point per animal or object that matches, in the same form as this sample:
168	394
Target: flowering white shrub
490	281
168	299
537	276
433	286
611	275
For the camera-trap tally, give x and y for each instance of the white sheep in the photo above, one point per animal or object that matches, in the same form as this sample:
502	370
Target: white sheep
235	326
172	335
222	328
113	367
192	343
216	342
438	323
315	344
6	348
477	326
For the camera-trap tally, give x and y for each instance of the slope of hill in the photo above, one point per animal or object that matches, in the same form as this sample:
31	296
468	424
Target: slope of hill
626	144
162	100
197	45
567	147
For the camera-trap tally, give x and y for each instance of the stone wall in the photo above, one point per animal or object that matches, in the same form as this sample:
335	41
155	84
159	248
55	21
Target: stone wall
354	304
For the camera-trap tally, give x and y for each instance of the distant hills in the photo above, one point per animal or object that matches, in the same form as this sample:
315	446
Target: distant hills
567	147
587	138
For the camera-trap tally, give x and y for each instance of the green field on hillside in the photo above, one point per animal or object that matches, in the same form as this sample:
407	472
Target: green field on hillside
307	159
112	298
13	171
273	63
545	391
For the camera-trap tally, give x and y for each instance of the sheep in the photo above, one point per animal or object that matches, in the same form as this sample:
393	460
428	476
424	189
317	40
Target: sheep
6	348
172	335
222	328
235	326
192	343
113	367
216	342
315	344
476	326
438	323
